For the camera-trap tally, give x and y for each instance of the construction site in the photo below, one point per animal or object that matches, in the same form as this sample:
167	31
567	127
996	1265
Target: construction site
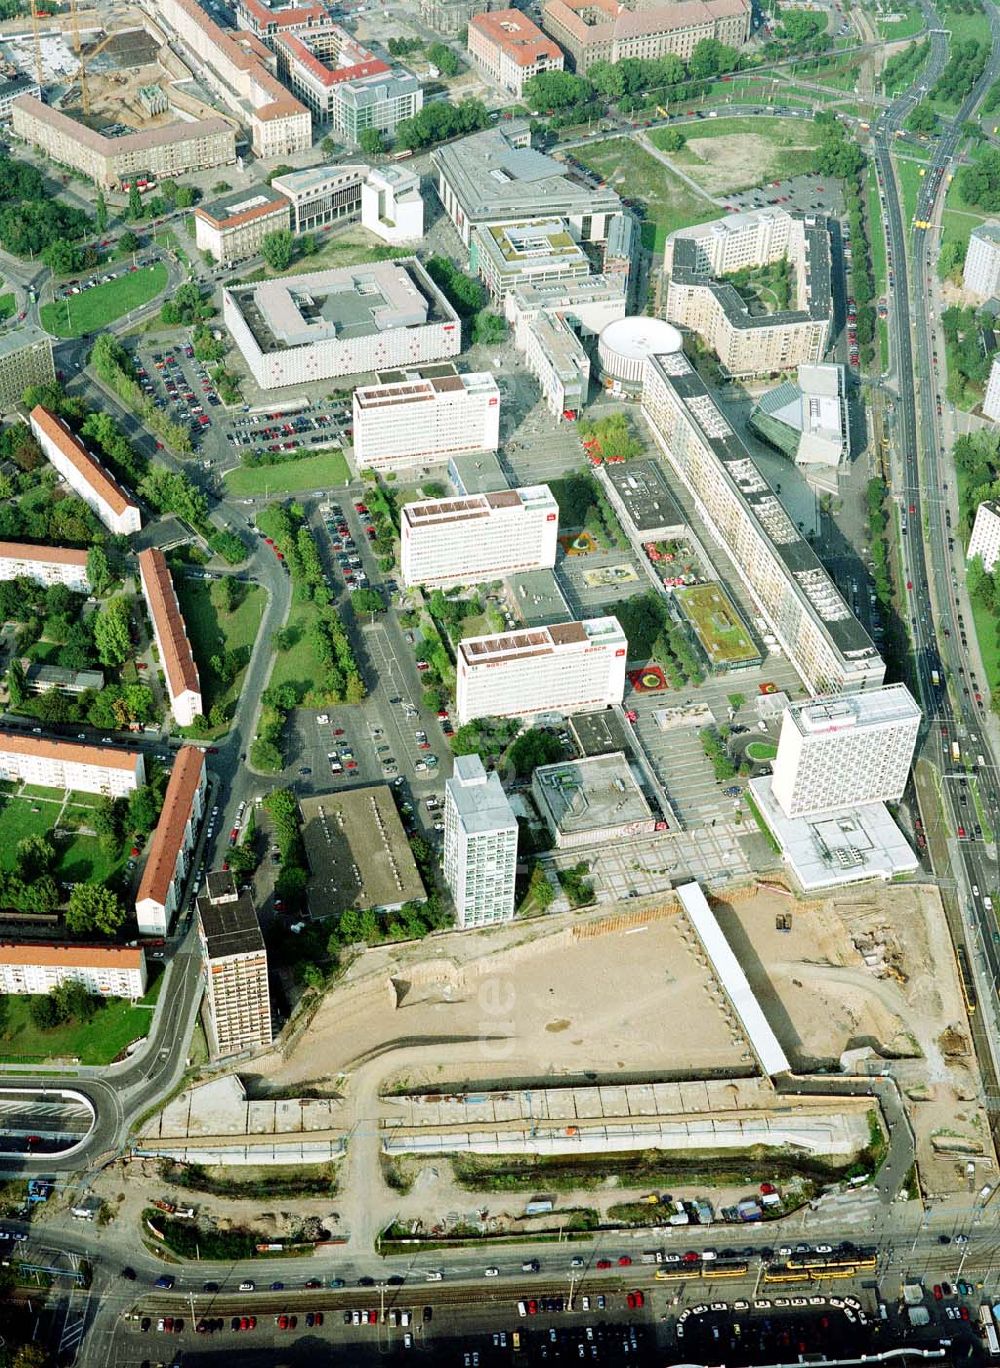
114	73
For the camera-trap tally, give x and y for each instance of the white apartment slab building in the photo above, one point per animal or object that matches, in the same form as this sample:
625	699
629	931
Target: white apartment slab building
84	474
981	272
991	399
821	636
549	319
392	206
563	668
845	751
45	565
172	848
348	321
510	49
480	845
170	634
467	540
236	987
232	228
985	539
35	968
30	759
420	416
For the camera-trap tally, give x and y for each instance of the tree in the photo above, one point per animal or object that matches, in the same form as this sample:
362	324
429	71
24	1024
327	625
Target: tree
534	748
367	601
328	147
92	907
100	211
33	856
143	809
186	196
277	249
225	593
242	860
61	257
551	90
128	243
371	142
98	570
109	823
442	56
136	209
43	1011
670	140
17	688
111	632
488	328
923	119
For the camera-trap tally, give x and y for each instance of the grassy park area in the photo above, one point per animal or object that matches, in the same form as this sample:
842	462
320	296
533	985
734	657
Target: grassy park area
114	1026
633	172
297	665
213	633
91	310
321	470
34	811
723	154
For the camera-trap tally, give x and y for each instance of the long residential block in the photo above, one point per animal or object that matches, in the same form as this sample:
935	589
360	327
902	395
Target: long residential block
563	668
821	636
511	49
45	565
413	417
35	968
84	473
61	764
183	684
173	150
241	69
169	859
467	540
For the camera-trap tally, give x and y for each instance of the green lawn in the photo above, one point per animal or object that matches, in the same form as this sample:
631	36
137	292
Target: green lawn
910	24
297	665
19	819
82	859
211	634
8	306
751	152
958	221
761	751
97	1041
94	309
630	170
877	235
320	470
908	174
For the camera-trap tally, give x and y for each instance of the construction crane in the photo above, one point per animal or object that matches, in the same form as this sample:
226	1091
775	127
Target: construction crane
38	46
78	49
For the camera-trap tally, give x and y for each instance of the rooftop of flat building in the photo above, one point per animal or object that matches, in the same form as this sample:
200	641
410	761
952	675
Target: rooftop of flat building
22	337
230	928
358	852
478	797
893	703
295	183
538	598
590	795
241	206
643	489
497	174
341	304
477	472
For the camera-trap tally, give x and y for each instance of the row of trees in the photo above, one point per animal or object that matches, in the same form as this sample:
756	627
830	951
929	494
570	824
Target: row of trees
113	365
470	301
979	182
440	120
969	359
965	65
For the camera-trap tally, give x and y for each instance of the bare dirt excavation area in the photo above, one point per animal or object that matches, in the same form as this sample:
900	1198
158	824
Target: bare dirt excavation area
451	1053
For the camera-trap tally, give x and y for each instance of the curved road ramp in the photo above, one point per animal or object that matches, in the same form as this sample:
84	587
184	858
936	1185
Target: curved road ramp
35	1122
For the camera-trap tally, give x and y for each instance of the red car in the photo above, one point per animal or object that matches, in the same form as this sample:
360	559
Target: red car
624	1261
532	1308
282	1322
630	1301
372	1317
691	1257
937	1292
640	1300
603	1263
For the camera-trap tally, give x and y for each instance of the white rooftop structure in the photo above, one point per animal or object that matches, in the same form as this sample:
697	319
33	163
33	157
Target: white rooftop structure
727	970
625	343
808	419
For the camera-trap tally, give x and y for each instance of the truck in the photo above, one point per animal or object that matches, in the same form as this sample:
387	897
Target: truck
956	752
651	1256
935	679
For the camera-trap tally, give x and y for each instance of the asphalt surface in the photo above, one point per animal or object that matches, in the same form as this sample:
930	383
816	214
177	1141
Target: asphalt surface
922	478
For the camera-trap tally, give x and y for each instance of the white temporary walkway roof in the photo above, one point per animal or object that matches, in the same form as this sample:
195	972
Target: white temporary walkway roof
726	967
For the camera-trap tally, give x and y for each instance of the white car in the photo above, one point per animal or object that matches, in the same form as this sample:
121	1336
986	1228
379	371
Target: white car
492	1273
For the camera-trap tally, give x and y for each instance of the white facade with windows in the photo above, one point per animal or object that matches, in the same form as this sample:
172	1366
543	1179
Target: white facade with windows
70	765
567	667
846	751
34	969
480	845
991	399
84	474
985	539
392	206
411	419
981	272
45	565
469	539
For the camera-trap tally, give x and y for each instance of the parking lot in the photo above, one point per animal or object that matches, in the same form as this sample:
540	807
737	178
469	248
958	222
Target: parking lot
180	384
290	428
